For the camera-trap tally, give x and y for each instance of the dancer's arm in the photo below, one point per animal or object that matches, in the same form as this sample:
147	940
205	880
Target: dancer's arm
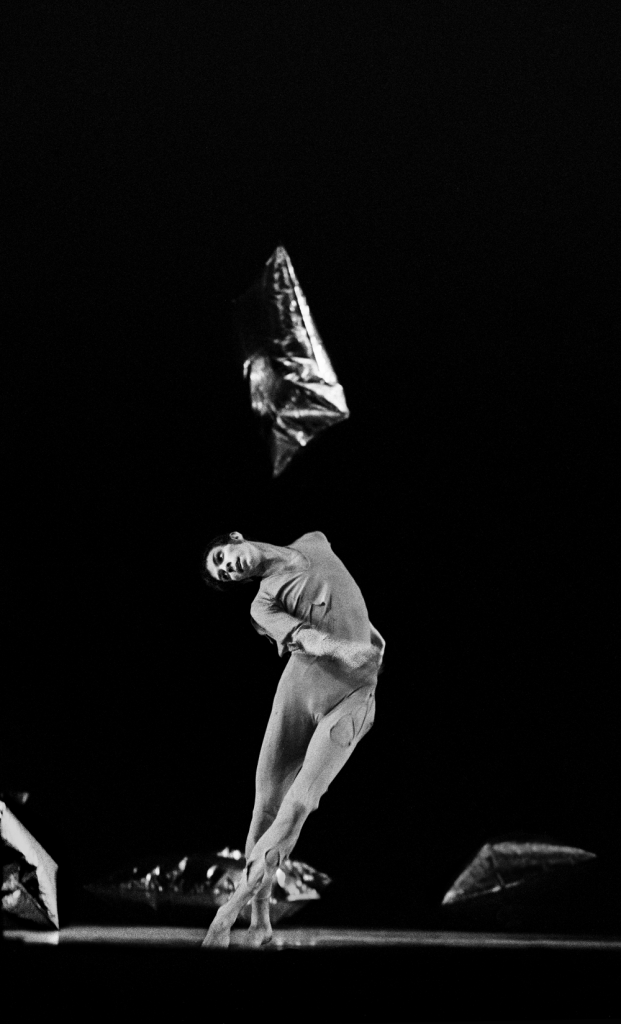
292	635
270	619
352	653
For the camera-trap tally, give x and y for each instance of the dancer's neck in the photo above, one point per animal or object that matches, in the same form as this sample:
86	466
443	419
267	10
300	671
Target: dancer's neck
277	559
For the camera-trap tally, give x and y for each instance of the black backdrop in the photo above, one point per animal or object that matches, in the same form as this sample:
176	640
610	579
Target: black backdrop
445	178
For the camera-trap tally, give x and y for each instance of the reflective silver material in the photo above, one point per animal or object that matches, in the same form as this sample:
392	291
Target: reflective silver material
206	881
499	866
28	874
293	387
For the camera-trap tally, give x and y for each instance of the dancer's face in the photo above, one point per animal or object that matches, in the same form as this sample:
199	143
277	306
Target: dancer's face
235	561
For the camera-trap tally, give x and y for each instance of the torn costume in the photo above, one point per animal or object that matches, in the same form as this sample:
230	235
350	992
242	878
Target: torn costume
318	594
322	708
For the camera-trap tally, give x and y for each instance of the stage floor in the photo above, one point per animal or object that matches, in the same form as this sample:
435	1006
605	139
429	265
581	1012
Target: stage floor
310	938
345	975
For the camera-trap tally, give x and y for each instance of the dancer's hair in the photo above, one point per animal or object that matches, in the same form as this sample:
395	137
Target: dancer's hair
211	581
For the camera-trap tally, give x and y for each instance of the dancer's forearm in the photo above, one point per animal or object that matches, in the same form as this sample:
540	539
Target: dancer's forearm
353	653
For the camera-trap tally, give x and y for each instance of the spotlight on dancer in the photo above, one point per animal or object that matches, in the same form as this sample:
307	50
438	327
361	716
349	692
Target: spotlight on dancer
309	605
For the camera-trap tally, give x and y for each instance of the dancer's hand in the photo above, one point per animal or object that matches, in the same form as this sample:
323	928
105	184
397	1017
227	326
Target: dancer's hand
358	655
314	643
352	653
319	645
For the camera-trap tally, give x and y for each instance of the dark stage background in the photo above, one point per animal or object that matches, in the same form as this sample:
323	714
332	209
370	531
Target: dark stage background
445	177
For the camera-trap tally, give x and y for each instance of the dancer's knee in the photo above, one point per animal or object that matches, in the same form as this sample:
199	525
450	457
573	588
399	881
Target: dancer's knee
272	859
259	872
352	726
343	732
300	808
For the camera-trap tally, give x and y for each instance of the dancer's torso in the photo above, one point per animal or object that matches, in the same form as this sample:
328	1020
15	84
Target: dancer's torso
320	592
324	593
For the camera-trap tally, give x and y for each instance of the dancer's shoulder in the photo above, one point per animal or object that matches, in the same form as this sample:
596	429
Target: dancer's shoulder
314	537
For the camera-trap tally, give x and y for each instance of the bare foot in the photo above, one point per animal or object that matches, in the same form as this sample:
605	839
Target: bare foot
258	935
218	936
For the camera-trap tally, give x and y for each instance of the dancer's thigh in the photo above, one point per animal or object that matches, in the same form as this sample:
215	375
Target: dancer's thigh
333	742
287	736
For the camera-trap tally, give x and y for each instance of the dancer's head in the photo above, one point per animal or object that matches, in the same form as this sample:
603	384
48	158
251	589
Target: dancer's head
230	558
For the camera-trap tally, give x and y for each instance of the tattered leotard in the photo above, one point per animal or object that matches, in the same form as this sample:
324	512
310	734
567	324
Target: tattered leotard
321	708
322	594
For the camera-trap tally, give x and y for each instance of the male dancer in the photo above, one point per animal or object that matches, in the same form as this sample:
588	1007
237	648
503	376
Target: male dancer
310	607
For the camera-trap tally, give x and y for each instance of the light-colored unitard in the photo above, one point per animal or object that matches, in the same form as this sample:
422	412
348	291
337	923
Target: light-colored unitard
322	707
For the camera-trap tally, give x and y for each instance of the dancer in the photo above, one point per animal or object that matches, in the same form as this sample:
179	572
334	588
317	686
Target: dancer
310	607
